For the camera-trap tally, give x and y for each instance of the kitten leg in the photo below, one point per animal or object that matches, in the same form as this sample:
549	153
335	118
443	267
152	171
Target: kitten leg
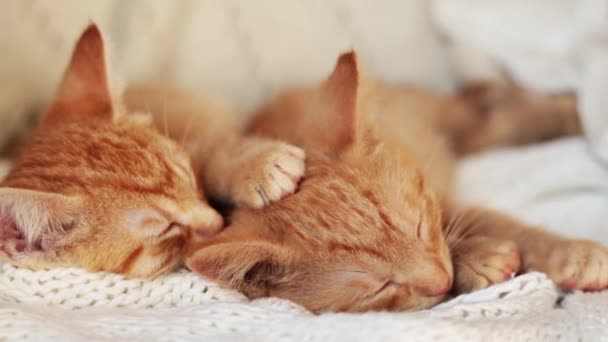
571	263
480	262
253	172
250	172
503	115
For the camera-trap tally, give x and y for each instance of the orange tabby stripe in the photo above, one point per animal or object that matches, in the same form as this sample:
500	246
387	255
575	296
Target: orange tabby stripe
336	246
130	260
383	215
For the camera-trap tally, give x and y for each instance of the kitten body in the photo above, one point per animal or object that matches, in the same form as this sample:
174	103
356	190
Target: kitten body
372	222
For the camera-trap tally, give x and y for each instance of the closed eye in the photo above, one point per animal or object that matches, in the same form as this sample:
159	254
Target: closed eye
386	286
172	227
381	290
419	227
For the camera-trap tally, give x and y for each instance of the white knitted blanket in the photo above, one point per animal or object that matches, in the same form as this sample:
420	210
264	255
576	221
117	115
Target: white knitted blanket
73	305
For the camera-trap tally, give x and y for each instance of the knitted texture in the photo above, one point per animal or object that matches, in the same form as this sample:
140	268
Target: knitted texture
72	304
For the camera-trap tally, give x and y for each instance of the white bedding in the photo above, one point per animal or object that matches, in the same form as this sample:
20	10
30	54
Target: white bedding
183	307
560	185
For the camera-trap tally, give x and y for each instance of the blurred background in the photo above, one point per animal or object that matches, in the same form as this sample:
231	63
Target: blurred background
241	49
247	50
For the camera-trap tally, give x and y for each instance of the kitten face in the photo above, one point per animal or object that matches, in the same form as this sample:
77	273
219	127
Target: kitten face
99	189
362	233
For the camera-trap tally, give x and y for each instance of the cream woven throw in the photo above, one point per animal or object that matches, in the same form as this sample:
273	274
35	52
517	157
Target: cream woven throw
74	305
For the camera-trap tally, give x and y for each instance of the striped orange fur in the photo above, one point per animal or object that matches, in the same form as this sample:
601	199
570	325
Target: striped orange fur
373	225
99	188
357	235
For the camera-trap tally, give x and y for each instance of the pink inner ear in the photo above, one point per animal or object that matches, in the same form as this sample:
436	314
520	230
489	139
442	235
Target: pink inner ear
21	232
11	238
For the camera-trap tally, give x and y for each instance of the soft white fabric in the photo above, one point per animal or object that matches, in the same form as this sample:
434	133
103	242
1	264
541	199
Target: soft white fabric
560	186
248	50
183	307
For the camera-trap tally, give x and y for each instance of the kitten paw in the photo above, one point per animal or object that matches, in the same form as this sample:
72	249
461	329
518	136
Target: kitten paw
574	264
480	262
271	174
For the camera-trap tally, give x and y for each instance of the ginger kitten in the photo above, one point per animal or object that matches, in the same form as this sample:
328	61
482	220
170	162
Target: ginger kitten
100	188
373	225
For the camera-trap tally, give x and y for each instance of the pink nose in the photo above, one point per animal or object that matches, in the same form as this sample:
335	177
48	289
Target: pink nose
439	290
209	224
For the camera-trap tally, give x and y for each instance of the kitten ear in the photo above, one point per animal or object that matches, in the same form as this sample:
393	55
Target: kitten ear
31	222
84	92
340	91
243	265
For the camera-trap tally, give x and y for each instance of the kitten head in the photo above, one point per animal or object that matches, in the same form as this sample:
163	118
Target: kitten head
363	232
97	188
